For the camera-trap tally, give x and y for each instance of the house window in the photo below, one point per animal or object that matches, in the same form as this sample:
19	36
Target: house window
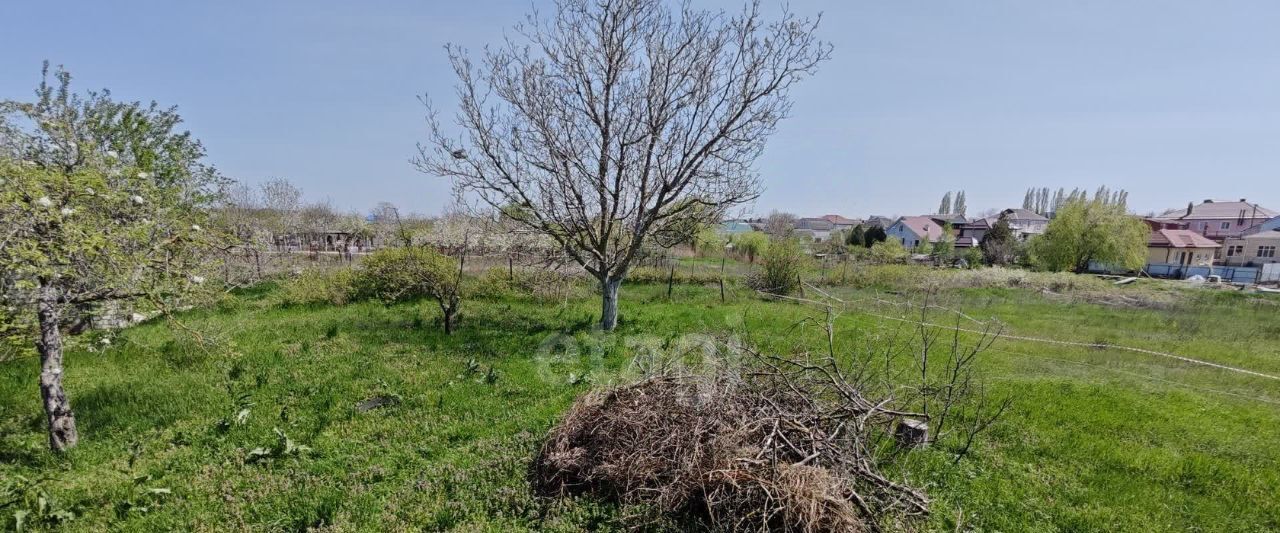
1226	225
1266	251
1235	250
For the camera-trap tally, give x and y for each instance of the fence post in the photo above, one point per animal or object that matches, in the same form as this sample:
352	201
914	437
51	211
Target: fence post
670	278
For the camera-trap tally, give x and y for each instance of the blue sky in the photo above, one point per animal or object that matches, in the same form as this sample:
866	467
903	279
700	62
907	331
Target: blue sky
1174	101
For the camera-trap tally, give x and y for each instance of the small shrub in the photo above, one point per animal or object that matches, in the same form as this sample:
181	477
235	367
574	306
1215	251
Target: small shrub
973	256
783	262
493	283
407	274
888	252
315	286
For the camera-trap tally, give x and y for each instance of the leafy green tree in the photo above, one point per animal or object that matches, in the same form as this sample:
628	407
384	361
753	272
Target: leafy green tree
751	244
102	201
999	244
973	256
960	208
856	237
874	235
944	207
709	242
1091	231
943	250
411	273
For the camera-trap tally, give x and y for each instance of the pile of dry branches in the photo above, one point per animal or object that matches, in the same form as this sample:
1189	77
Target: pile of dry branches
786	446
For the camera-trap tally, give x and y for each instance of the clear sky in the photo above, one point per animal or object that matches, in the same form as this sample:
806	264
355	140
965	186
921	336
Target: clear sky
1172	100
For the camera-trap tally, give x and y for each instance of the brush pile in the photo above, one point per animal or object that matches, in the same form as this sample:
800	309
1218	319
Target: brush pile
787	447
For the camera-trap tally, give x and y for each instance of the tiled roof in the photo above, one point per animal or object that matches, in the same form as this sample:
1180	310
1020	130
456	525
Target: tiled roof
1179	238
837	219
1022	214
923	227
1220	210
819	224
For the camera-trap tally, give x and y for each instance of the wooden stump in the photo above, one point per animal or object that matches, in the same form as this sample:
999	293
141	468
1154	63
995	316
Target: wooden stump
912	433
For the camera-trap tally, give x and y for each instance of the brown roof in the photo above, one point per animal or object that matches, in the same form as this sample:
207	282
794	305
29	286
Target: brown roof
837	219
923	227
1179	238
1210	209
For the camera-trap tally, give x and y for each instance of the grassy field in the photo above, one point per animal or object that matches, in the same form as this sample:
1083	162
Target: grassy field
176	436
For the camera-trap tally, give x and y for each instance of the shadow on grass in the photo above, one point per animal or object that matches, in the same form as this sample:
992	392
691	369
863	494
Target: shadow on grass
119	406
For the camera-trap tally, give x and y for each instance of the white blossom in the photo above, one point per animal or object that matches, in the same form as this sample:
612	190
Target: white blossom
67	211
44	201
137	317
197	279
105	341
112	154
137	199
195	227
143	175
89	191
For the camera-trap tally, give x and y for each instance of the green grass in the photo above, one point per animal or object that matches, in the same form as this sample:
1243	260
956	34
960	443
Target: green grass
1097	439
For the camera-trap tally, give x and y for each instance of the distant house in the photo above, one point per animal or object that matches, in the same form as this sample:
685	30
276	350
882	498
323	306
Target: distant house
1254	249
1180	247
841	223
332	240
1218	220
819	229
1273	224
877	221
953	219
911	231
1025	222
975	229
733	227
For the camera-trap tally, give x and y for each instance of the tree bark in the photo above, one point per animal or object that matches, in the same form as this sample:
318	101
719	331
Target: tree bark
609	303
57	408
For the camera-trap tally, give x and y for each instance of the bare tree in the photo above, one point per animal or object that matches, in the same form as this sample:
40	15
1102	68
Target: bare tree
779	224
282	203
612	121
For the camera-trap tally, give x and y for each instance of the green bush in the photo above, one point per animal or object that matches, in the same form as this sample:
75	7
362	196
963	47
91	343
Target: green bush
494	283
315	286
783	262
973	256
888	252
405	274
412	273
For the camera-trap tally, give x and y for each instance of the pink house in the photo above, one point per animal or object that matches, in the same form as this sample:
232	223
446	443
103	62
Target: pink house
1216	220
911	231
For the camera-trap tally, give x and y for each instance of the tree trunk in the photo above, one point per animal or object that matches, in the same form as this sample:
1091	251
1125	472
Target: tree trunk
62	421
609	303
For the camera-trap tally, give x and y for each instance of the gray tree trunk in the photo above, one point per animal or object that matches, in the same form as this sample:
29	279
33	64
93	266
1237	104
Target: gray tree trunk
609	303
57	408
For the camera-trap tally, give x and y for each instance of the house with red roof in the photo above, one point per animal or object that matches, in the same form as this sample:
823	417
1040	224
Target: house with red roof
1180	247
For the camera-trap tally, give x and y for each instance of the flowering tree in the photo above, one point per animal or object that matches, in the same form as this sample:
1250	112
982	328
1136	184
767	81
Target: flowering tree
103	201
615	121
